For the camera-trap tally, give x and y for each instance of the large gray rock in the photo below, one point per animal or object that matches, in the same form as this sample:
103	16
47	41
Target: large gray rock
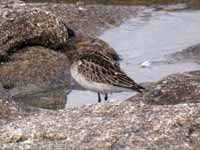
173	89
29	38
34	65
34	76
191	53
22	27
119	125
30	26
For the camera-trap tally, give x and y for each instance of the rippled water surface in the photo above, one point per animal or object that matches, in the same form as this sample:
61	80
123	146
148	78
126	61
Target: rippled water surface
148	38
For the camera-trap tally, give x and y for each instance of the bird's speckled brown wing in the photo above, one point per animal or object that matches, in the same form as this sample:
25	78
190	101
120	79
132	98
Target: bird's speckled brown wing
99	68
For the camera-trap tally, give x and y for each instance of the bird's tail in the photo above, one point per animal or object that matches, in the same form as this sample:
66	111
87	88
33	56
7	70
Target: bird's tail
138	88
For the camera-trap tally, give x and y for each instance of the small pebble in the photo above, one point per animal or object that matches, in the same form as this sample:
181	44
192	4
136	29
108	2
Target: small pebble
146	64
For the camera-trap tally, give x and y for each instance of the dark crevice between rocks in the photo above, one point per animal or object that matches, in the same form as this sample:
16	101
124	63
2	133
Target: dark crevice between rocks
21	139
8	86
52	138
44	136
4	59
71	33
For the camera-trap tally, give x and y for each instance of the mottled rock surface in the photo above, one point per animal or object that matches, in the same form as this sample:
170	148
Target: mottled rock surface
11	3
29	38
37	70
34	65
26	27
91	20
191	54
173	89
119	125
8	108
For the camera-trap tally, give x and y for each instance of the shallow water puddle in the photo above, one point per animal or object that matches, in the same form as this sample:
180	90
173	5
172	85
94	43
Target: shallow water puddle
148	38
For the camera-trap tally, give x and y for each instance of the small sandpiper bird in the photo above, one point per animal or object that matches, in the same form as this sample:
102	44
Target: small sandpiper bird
96	72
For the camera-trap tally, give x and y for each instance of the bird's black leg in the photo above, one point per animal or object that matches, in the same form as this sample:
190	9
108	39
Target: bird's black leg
106	97
99	98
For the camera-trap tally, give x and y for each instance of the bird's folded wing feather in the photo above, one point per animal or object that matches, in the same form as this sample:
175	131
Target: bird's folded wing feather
99	68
